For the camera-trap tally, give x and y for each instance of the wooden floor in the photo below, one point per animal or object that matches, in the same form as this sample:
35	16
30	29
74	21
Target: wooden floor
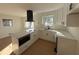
41	47
4	42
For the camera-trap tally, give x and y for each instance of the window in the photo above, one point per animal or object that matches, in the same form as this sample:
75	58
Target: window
48	21
29	26
7	22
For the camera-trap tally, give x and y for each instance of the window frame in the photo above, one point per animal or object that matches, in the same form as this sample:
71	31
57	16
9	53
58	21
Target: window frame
43	23
7	22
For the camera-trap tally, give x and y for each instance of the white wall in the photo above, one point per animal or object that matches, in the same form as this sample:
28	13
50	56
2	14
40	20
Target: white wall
18	25
59	17
39	18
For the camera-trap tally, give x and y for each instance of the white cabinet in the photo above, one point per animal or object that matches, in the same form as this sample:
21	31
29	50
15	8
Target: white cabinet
62	14
51	36
43	34
73	16
73	20
33	38
72	8
66	10
19	49
34	35
66	46
47	35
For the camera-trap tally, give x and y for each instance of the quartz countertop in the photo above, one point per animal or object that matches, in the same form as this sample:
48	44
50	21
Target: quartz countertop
18	35
63	33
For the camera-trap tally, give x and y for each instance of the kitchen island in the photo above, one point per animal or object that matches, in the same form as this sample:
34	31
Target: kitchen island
65	42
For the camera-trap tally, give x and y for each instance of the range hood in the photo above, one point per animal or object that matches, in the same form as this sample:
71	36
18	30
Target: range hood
29	16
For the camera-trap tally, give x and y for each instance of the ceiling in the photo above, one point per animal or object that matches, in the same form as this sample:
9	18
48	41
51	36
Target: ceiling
19	9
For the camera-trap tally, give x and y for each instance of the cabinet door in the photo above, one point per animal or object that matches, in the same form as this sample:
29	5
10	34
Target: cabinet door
66	46
40	34
51	36
48	35
73	20
34	36
44	35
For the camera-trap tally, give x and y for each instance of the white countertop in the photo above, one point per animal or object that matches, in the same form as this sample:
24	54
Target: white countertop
18	35
59	33
63	33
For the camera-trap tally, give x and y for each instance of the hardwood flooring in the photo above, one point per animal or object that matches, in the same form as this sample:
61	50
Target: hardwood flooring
4	42
41	47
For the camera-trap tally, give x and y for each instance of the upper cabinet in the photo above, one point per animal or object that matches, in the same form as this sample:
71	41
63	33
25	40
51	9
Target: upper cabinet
73	20
62	14
73	15
73	8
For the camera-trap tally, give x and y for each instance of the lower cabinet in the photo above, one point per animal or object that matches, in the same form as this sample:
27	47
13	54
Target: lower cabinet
47	35
20	49
66	46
